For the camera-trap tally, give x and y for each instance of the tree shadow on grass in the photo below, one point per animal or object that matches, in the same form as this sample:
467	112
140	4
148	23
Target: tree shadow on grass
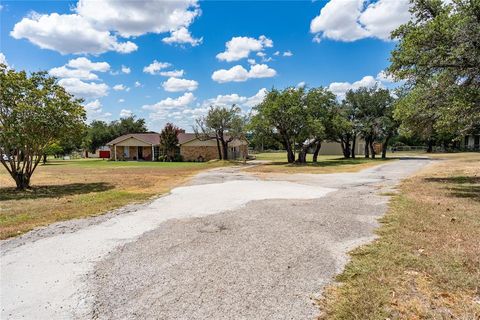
460	186
53	191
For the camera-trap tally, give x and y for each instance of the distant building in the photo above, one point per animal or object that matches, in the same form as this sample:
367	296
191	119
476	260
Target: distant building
146	146
102	152
472	142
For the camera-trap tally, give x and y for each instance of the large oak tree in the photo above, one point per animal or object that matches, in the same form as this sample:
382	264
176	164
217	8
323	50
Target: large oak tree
438	56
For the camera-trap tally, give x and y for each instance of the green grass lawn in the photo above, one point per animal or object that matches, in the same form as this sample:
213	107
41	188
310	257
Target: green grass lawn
325	164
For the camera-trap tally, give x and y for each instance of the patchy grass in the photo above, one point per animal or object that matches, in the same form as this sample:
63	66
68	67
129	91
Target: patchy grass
70	189
326	164
426	262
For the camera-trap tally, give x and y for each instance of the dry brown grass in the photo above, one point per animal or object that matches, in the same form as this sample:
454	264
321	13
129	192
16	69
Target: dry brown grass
426	262
65	190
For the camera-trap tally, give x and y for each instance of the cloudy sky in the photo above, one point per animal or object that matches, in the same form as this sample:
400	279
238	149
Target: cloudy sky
168	61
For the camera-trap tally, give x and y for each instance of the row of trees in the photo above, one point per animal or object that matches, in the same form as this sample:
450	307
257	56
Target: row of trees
300	120
437	56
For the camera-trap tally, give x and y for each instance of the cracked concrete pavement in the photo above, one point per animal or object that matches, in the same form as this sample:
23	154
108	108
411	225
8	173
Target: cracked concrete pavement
226	246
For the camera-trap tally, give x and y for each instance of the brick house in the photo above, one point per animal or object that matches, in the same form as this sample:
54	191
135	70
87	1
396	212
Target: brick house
194	149
135	146
141	146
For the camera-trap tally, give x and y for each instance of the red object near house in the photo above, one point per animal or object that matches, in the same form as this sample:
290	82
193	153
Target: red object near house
104	154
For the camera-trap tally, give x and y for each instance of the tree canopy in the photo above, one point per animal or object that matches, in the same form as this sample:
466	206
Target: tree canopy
35	113
100	133
222	124
438	55
169	141
296	117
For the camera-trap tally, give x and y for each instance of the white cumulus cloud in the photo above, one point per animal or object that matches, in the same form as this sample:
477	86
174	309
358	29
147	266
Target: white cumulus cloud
95	26
119	87
136	18
173	73
155	67
239	74
95	111
170	103
83	63
80	68
177	84
340	88
68	33
182	36
64	72
83	89
383	77
246	103
125	113
241	47
126	69
350	20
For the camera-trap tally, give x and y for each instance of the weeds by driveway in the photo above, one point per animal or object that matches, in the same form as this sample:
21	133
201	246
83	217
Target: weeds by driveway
426	263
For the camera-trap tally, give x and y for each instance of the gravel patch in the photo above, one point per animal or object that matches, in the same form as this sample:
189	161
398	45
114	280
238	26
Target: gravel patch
267	260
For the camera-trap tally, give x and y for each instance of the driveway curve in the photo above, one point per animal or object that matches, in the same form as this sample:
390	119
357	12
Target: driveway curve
228	246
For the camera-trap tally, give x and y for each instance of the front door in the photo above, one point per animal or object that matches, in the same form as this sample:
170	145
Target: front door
140	153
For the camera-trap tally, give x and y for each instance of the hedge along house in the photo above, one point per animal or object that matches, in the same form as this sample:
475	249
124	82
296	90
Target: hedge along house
135	146
141	146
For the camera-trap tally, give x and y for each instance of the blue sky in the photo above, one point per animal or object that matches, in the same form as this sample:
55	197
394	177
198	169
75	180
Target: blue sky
208	52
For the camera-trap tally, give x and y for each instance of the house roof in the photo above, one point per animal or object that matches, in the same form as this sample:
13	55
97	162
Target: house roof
153	138
150	138
185	137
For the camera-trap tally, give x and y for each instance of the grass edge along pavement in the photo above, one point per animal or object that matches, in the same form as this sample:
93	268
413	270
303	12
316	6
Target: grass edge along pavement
72	189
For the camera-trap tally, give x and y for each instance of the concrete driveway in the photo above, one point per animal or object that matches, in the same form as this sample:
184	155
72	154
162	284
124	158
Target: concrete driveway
227	246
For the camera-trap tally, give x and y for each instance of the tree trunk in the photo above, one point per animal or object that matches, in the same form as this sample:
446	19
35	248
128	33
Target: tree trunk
384	147
372	149
219	150
225	149
367	150
317	151
354	143
44	159
22	181
288	147
345	148
302	155
430	146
